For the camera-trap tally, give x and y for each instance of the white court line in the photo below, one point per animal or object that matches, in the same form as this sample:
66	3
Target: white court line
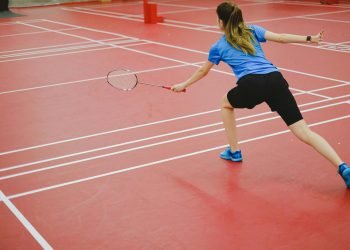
168	45
111	146
139	147
33	33
299	16
337	46
196	64
149	124
123	4
304	92
192	64
58	46
36	235
171	46
315	4
160	136
113	33
90	79
182	6
332	87
109	132
323	47
326	20
58	54
132	17
70	48
124	36
105	32
329	43
139	17
65	45
201	27
313	75
169	21
112	45
150	164
27	21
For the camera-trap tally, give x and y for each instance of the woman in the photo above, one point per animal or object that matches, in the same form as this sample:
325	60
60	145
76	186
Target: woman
258	81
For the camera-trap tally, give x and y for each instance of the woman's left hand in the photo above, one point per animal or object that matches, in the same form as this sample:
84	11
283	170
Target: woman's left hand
317	38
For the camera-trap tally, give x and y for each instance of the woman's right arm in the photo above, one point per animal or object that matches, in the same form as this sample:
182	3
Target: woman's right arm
290	38
196	76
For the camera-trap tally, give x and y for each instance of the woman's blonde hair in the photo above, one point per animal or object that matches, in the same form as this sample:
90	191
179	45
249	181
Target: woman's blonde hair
237	33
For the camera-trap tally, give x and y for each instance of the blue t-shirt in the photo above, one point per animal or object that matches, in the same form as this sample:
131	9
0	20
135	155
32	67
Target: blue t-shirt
242	64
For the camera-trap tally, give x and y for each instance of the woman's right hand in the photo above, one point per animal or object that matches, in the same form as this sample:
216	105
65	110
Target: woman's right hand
178	87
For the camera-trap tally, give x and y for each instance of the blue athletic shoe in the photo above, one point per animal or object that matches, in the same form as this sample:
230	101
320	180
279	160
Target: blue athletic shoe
233	156
344	171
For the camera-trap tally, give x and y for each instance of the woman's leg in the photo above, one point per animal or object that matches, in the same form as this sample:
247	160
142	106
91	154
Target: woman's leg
301	130
229	119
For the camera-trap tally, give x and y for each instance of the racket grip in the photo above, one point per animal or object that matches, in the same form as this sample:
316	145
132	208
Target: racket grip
167	87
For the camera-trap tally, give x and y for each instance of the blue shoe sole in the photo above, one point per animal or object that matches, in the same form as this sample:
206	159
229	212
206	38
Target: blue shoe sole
231	159
237	160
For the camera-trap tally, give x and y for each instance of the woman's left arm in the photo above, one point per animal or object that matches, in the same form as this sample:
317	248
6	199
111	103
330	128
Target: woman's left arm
290	38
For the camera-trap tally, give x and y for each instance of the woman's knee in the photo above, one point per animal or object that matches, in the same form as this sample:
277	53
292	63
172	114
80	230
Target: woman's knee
301	130
225	103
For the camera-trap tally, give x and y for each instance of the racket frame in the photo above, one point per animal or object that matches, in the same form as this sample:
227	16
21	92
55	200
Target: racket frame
125	70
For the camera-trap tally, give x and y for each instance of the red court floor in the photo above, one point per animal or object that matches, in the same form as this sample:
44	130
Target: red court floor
86	166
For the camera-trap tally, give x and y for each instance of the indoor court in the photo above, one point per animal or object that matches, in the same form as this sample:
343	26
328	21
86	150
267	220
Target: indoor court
84	165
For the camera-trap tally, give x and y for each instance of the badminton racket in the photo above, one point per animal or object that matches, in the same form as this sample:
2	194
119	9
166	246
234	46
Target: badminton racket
124	79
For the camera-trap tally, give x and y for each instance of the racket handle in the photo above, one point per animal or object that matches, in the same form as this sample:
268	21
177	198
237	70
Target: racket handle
167	87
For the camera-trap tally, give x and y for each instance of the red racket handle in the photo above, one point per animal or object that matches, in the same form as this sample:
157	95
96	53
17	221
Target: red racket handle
167	87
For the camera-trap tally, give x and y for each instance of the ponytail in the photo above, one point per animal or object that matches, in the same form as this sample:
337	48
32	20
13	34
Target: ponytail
237	33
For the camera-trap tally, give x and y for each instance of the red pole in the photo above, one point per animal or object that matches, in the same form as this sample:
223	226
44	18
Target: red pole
150	13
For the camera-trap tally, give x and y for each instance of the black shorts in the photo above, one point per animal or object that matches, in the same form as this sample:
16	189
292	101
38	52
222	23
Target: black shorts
271	88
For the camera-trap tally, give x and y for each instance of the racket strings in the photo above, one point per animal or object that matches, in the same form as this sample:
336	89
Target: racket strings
122	79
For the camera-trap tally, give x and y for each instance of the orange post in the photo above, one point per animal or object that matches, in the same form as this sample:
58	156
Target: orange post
150	13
